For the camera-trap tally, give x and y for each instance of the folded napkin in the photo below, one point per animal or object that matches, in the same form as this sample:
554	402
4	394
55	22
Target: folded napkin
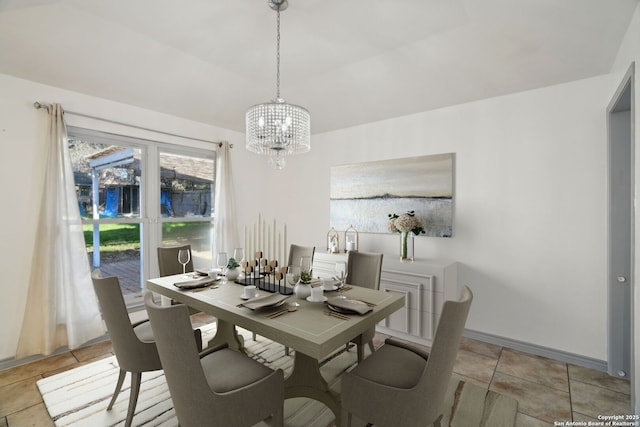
197	283
348	305
203	272
331	284
267	301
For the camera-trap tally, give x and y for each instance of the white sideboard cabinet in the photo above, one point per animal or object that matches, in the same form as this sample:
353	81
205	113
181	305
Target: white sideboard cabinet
425	283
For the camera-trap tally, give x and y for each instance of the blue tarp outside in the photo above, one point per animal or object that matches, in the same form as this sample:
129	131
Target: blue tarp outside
165	200
111	205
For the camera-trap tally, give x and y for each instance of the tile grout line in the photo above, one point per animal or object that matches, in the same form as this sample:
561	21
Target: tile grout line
570	394
602	388
534	382
491	382
538	384
496	367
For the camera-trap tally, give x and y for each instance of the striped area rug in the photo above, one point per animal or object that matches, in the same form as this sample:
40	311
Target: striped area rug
79	397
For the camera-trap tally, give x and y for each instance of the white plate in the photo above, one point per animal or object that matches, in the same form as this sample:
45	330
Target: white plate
320	300
247	298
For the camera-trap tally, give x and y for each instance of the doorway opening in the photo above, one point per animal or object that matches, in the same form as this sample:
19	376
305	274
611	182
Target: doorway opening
621	188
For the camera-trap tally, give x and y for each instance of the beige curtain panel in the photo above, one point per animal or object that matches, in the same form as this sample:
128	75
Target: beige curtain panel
62	308
225	227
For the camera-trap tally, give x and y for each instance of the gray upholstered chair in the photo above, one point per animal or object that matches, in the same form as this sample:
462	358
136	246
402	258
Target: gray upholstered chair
296	252
133	344
402	386
219	386
364	269
169	265
168	260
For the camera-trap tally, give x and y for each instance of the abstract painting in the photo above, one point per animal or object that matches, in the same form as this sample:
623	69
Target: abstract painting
363	194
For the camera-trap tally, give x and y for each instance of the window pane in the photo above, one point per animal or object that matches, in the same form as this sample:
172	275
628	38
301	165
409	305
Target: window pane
197	234
110	175
186	186
110	172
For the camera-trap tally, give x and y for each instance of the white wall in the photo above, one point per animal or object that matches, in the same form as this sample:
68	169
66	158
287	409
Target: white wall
530	199
630	52
22	132
530	206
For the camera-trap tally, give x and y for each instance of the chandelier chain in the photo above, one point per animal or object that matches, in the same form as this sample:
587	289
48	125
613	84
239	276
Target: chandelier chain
278	58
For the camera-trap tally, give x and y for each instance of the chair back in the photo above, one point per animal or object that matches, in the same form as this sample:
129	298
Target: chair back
133	354
296	252
168	260
191	396
364	269
437	373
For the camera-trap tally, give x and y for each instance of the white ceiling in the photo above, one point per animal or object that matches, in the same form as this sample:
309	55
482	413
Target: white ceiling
348	62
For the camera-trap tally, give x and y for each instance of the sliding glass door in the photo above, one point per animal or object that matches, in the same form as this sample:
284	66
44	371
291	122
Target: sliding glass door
135	195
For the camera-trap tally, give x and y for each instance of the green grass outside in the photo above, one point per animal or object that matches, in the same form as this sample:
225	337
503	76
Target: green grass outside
125	238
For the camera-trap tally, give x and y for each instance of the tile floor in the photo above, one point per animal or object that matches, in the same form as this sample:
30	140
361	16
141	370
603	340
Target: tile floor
547	390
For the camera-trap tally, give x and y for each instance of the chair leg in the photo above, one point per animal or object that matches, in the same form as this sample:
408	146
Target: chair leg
118	388
133	397
371	347
254	336
346	347
438	421
286	350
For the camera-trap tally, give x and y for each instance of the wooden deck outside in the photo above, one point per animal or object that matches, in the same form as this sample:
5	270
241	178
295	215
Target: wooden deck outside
127	271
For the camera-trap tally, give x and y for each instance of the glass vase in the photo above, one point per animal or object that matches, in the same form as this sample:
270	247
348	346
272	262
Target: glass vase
406	246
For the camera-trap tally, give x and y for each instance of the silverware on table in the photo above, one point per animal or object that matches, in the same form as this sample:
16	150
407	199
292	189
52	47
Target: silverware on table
277	313
281	312
337	315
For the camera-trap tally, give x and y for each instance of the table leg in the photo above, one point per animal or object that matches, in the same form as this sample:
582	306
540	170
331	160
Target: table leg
226	333
307	381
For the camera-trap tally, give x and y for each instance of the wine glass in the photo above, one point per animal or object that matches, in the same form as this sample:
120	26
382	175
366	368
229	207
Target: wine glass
238	254
222	261
293	275
341	271
305	263
184	256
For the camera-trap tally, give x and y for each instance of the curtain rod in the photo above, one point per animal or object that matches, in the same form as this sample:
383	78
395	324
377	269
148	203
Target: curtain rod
38	105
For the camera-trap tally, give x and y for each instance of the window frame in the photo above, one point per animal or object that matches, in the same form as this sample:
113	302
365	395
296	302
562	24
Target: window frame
150	218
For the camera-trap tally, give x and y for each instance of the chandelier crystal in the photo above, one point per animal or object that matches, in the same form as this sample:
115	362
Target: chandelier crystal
278	129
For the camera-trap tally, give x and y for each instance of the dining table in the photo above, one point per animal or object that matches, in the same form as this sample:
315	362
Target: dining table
311	330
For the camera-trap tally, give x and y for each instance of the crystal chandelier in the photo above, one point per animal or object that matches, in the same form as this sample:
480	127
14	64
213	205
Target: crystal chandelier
278	129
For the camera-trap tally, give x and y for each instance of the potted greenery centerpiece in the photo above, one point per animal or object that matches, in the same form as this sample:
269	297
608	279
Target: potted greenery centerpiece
302	289
408	224
233	270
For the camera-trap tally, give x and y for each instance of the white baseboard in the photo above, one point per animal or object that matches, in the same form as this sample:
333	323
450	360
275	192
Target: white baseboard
525	347
563	356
